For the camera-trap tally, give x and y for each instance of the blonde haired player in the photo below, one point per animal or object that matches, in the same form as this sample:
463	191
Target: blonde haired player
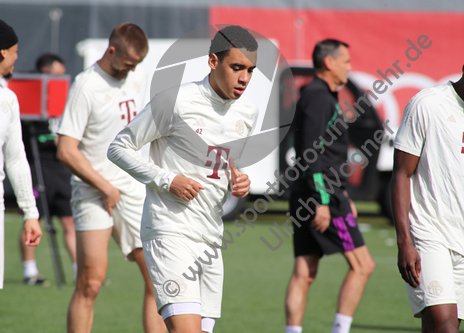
106	201
182	212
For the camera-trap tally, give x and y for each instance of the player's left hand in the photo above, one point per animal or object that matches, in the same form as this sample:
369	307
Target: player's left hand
409	263
32	232
353	208
240	181
322	218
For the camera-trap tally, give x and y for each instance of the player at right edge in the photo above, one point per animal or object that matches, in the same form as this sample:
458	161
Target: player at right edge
428	205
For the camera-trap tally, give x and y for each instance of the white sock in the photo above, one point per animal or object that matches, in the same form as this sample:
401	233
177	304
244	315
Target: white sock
75	270
30	269
293	329
342	323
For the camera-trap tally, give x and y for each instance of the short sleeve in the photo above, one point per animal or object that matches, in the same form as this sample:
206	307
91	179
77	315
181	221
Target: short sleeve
77	112
412	131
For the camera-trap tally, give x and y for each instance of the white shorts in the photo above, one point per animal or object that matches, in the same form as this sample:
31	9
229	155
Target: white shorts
170	262
90	214
441	277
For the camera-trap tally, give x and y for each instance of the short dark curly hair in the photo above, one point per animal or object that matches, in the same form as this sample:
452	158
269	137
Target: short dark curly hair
233	36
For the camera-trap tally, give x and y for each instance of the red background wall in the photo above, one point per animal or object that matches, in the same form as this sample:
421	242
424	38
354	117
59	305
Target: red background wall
377	39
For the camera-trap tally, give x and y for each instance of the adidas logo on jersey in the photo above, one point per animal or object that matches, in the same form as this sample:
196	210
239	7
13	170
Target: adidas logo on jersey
451	119
200	123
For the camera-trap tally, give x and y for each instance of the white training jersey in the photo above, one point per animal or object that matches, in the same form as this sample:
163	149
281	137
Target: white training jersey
433	129
98	107
12	155
190	134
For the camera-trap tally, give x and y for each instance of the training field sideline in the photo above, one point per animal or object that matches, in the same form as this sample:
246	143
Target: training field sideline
254	288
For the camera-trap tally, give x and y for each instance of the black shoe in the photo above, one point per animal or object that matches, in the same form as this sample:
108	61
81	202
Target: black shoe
37	280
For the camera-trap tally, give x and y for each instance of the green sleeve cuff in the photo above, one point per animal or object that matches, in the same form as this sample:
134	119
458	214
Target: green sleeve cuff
45	137
325	197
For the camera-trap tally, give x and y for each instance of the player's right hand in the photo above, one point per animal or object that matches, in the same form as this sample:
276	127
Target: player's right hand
185	188
322	219
409	264
111	197
32	232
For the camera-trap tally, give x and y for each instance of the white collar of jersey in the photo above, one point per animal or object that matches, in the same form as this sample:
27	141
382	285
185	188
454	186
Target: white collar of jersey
107	76
210	94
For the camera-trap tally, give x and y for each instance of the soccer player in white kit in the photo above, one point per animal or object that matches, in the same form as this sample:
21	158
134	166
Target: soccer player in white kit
106	201
183	208
428	205
12	153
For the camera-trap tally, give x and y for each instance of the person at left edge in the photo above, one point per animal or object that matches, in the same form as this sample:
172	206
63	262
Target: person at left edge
12	154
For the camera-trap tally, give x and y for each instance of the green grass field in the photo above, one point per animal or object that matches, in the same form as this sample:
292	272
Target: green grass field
255	283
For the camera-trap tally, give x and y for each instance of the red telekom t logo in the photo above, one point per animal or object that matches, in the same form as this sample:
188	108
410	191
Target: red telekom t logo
128	109
217	166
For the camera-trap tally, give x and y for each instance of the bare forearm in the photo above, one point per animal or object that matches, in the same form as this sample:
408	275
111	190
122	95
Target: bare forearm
401	200
78	164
